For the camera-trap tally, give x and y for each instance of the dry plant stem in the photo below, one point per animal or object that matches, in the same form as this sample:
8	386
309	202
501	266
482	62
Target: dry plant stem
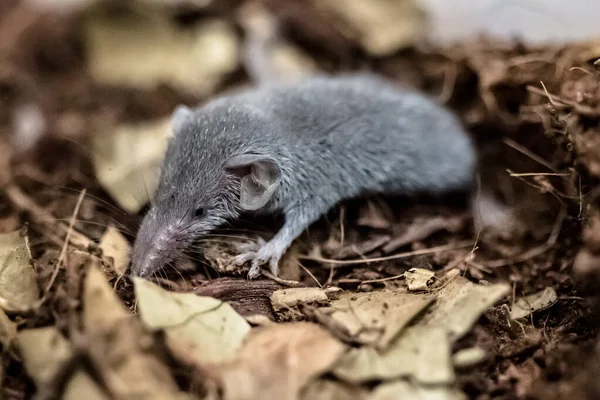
309	274
44	218
433	250
418	231
556	100
536	251
63	250
530	154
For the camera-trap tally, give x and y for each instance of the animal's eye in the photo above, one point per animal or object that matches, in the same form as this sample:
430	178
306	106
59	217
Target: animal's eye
199	212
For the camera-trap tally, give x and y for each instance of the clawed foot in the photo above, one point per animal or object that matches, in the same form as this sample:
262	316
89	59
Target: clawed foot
259	253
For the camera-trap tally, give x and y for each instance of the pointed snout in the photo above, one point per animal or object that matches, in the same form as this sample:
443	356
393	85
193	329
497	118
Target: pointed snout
152	251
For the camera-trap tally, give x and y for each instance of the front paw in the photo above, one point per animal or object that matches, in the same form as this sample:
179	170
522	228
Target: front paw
264	255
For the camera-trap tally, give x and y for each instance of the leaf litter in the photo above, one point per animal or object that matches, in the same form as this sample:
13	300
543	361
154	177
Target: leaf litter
384	327
18	286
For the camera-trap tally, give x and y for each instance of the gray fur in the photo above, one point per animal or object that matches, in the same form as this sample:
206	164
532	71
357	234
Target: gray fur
331	139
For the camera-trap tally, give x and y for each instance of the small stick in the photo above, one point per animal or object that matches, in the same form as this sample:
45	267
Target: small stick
530	154
63	250
432	250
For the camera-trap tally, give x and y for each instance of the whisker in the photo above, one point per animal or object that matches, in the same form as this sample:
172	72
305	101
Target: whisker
128	233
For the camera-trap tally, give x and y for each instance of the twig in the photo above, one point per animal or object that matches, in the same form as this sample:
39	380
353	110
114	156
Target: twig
530	154
514	174
554	99
389	278
42	217
63	250
433	250
309	273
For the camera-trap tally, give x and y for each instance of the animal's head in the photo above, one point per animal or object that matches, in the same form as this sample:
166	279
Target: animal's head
201	187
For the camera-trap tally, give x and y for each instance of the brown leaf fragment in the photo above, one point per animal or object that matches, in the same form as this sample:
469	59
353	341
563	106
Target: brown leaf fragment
383	26
277	361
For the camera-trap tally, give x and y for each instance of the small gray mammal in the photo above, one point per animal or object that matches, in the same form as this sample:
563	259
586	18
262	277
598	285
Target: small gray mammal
297	149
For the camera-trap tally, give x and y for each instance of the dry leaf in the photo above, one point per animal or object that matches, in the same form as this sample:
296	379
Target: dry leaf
422	353
17	277
123	347
534	302
418	279
278	360
291	297
82	386
423	350
330	390
146	50
8	331
269	57
199	329
44	352
383	26
460	303
115	245
127	161
375	317
98	296
468	357
413	391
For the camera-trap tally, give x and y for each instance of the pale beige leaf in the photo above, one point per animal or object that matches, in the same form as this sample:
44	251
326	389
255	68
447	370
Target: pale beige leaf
44	352
8	331
278	360
115	245
81	386
422	353
418	279
468	357
376	317
201	329
127	161
98	297
17	277
460	303
124	348
291	297
383	26
527	305
322	389
146	50
401	390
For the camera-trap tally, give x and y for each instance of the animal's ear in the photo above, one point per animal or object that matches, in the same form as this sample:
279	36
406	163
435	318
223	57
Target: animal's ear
259	177
179	117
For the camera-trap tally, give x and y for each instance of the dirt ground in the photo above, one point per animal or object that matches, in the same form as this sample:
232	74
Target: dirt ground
533	113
